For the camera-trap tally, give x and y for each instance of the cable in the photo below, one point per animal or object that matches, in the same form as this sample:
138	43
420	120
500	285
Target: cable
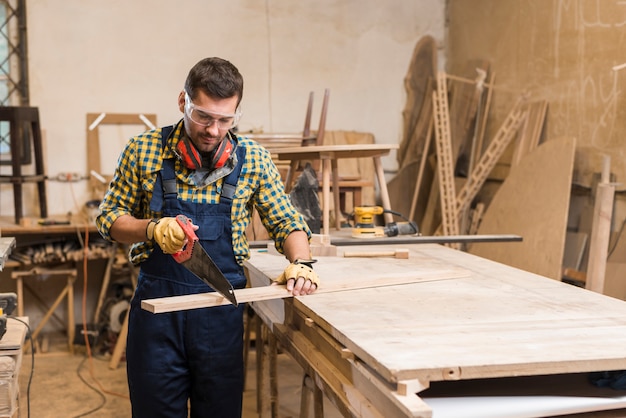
32	365
99	389
398	214
102	397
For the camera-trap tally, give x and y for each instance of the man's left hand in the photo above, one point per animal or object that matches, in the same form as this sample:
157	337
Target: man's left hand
299	277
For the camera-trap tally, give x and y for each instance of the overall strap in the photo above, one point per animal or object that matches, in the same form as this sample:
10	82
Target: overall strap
165	185
230	182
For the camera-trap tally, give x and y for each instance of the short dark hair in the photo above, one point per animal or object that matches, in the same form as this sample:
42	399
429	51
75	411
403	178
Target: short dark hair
217	77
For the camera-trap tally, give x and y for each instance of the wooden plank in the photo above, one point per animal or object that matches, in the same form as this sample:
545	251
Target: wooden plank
601	230
530	134
356	277
463	108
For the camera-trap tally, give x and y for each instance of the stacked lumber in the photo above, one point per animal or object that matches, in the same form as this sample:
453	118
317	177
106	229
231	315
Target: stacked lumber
60	252
8	386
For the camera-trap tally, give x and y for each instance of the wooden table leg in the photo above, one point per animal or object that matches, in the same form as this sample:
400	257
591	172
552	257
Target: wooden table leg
309	389
258	345
384	193
71	323
326	170
120	345
20	295
273	372
293	166
335	174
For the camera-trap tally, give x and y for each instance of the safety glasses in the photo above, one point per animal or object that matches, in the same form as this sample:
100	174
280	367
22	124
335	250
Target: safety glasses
205	117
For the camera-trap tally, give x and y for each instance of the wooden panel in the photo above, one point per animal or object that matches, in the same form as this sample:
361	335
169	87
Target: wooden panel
533	202
417	112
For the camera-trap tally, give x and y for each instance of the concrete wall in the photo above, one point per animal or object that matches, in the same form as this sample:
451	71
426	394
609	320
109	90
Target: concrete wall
133	56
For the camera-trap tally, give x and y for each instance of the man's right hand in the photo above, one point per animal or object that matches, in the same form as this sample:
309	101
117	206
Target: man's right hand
167	233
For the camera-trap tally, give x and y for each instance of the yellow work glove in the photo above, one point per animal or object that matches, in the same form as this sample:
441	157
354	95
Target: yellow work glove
299	268
167	233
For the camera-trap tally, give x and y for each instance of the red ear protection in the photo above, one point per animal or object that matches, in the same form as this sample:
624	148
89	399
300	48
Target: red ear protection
193	160
222	153
189	154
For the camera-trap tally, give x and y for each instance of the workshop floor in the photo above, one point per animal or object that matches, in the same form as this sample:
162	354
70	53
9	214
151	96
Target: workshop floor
65	385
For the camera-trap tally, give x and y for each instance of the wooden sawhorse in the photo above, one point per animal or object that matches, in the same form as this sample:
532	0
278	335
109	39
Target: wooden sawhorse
68	291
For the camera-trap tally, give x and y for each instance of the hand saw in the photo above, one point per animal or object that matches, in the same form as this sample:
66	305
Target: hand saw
196	260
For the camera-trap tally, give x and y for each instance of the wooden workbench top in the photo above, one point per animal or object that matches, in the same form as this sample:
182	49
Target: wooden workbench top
496	322
31	226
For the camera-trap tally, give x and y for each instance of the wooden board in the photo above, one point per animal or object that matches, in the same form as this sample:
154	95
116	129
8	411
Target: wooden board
346	274
418	109
533	202
499	322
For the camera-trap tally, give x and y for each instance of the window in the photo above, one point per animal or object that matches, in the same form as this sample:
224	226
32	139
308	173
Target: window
13	68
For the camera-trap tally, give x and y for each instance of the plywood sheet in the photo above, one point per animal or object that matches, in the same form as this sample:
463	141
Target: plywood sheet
499	322
532	202
418	108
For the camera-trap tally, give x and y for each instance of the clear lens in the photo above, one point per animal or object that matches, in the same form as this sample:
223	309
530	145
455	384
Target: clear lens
204	117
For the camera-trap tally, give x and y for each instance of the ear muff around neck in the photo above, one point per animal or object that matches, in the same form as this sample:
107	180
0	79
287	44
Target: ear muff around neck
222	153
192	159
189	154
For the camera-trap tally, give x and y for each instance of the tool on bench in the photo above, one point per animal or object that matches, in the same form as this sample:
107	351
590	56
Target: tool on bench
8	303
196	260
400	253
365	227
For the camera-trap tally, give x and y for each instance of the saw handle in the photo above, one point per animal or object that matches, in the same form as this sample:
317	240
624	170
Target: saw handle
187	226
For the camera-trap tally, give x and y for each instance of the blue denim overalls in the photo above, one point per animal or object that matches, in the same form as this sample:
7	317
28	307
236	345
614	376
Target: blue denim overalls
193	354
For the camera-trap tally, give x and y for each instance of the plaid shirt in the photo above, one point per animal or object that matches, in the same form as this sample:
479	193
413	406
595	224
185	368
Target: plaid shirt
259	186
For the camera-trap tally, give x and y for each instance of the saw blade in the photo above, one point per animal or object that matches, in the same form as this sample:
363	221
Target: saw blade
203	267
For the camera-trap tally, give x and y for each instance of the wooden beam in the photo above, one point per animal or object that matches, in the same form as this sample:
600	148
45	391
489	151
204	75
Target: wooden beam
253	294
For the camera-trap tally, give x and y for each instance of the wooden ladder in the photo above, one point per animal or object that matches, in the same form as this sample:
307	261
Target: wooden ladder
445	163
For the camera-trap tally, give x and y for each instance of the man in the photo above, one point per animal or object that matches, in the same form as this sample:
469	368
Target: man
198	168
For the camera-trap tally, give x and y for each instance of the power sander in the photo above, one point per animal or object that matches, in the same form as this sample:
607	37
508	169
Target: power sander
365	227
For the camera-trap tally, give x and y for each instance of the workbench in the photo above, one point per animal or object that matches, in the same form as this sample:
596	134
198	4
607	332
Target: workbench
54	238
469	338
6	245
